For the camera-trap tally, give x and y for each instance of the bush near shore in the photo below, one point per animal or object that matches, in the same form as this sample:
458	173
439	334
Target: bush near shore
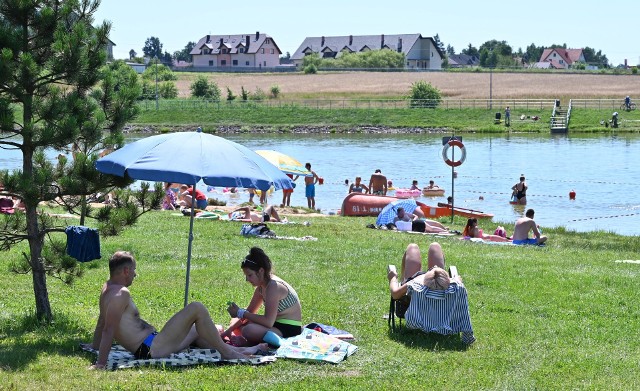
555	317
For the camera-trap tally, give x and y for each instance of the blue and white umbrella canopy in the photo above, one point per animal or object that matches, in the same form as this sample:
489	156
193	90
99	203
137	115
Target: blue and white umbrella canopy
188	158
389	212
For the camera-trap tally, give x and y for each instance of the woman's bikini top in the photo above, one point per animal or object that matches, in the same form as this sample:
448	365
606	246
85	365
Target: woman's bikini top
289	300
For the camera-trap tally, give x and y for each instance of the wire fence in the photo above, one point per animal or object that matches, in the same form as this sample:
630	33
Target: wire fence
600	104
343	104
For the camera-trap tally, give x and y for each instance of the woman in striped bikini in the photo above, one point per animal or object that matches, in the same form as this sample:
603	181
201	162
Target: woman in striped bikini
282	311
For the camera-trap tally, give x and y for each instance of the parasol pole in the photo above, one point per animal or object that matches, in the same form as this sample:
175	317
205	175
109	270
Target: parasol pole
186	288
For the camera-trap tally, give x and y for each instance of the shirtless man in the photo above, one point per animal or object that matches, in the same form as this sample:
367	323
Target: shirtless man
268	214
310	187
523	226
520	191
119	319
378	183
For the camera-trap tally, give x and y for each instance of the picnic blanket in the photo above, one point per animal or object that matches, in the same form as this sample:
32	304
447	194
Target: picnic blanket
314	346
121	358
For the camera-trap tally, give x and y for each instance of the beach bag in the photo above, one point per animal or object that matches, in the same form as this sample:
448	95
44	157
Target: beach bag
256	229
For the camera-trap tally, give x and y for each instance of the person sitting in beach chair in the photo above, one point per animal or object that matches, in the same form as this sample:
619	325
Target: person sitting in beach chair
431	300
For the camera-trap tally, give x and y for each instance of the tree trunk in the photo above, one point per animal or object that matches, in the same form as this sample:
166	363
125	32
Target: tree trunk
36	242
43	308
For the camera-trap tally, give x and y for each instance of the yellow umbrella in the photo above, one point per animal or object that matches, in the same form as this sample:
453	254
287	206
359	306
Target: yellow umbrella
285	163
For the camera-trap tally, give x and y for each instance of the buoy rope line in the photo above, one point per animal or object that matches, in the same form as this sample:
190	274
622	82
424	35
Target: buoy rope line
606	217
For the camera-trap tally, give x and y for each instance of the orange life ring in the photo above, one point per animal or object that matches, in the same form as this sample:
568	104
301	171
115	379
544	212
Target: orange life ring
445	149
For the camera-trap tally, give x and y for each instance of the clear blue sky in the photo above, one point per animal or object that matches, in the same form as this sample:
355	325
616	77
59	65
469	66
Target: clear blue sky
601	25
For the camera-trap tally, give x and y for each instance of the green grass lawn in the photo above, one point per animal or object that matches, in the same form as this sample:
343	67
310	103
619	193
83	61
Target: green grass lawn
562	316
211	116
284	118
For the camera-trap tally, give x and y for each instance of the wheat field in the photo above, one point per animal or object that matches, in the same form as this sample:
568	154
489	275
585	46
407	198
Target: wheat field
461	85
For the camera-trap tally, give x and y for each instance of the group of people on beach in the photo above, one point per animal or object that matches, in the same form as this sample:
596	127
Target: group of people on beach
182	196
119	318
521	230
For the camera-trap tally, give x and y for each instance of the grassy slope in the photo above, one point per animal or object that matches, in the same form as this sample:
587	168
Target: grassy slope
547	318
284	118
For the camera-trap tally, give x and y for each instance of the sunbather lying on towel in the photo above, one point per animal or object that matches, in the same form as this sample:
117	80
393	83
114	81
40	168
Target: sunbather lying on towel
119	319
471	230
420	223
268	214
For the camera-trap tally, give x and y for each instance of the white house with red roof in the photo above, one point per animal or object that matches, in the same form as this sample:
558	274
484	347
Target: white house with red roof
560	58
236	51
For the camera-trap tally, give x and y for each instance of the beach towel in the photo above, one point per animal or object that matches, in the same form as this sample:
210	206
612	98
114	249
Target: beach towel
121	358
480	240
280	237
314	346
330	330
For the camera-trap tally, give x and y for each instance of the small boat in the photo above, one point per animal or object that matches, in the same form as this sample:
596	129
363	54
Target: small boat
458	211
358	204
407	193
435	192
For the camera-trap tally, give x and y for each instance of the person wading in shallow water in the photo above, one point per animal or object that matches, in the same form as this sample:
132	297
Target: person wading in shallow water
520	191
378	183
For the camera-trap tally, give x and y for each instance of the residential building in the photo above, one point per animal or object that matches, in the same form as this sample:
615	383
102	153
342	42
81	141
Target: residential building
109	49
420	52
240	50
463	60
560	58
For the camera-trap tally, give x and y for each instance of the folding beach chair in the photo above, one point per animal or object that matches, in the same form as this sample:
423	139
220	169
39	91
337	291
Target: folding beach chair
444	312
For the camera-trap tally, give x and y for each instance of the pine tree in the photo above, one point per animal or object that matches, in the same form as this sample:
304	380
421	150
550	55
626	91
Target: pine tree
57	93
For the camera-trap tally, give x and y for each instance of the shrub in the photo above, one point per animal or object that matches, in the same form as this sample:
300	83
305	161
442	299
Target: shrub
258	95
164	73
168	90
244	94
148	90
634	70
201	88
310	69
423	95
275	91
214	91
230	95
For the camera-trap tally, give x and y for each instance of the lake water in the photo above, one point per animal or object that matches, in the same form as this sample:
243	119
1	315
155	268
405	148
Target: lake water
603	171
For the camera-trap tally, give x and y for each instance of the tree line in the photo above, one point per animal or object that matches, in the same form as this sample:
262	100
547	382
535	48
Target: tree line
492	53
